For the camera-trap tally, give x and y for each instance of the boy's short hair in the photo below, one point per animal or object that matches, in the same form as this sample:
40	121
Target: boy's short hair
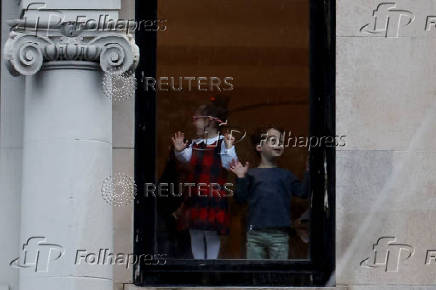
260	134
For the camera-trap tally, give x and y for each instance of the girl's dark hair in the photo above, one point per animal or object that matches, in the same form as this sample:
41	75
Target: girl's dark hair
217	107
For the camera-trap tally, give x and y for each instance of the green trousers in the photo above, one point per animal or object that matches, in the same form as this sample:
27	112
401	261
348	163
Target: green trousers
268	244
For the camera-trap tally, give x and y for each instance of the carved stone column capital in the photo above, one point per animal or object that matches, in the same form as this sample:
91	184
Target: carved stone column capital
27	49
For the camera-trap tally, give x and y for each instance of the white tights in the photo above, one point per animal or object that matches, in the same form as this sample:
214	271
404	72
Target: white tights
205	244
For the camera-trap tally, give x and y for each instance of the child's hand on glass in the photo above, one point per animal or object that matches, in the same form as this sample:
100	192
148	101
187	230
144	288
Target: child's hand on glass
229	140
179	141
237	168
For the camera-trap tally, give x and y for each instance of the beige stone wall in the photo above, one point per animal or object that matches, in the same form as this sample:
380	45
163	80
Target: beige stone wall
123	131
386	185
11	153
385	104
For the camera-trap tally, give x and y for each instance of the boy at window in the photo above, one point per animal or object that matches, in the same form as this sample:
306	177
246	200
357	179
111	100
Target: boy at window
268	190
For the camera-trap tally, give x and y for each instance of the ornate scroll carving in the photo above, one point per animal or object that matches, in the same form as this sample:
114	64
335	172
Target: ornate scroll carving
26	52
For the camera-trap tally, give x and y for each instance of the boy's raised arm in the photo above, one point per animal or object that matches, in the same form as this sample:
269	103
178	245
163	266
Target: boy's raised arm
242	181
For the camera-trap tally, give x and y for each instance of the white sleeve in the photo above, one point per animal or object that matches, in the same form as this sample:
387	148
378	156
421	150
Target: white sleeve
227	155
185	155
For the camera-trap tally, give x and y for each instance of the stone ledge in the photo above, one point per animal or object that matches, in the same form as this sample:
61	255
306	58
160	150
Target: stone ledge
133	287
392	287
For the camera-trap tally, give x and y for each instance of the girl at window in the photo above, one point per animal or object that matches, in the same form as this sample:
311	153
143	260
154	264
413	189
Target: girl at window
205	208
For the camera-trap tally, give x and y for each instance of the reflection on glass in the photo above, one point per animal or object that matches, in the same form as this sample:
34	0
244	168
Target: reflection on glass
231	163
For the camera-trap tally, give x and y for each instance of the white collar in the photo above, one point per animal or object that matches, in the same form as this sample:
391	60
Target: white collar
208	140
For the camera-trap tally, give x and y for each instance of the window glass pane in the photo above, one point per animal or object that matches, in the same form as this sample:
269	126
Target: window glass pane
233	66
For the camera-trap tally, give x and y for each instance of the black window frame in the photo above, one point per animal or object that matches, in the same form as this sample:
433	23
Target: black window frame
318	270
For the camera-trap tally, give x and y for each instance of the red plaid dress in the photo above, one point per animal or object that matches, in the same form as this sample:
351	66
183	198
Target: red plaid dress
206	209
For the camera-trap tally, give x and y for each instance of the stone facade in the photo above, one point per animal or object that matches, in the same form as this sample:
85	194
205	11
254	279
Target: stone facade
385	175
384	105
66	148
